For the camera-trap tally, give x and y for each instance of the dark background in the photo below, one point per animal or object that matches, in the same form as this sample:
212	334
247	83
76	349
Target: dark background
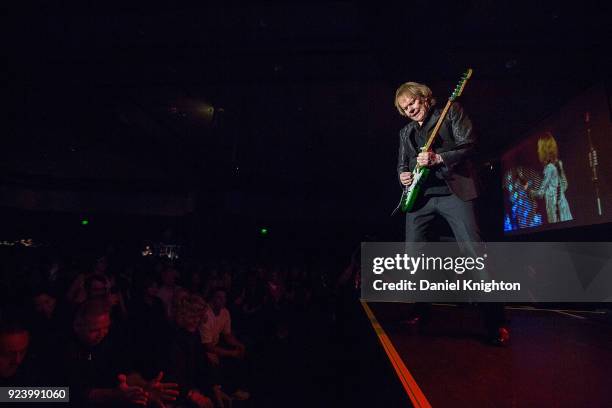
267	115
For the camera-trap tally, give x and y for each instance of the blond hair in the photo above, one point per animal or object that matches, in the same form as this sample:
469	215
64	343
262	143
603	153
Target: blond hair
414	90
548	151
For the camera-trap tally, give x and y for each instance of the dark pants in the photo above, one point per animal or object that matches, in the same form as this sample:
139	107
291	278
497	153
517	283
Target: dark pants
458	213
461	218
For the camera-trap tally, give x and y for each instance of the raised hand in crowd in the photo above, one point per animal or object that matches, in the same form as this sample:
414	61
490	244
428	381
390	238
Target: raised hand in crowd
132	393
199	399
161	392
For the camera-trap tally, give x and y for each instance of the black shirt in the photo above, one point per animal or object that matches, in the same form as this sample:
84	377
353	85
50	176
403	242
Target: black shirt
83	367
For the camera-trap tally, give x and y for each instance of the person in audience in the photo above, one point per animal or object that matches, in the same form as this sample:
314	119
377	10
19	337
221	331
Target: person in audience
195	280
225	280
95	363
246	304
148	324
169	276
186	362
251	299
99	286
274	314
226	356
14	344
77	293
49	320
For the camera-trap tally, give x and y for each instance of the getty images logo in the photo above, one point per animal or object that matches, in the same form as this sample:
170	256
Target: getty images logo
412	264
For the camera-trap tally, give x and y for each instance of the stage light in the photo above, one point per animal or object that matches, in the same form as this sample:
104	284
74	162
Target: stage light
84	222
206	109
195	109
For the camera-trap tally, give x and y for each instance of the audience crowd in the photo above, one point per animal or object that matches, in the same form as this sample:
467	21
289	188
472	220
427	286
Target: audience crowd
149	331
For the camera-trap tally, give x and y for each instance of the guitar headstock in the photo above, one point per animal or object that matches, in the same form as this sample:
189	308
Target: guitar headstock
459	88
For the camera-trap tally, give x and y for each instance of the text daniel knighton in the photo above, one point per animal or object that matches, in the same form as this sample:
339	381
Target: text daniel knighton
457	285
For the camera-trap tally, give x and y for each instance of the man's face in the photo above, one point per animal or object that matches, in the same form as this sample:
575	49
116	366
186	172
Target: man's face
101	265
44	304
93	330
218	300
13	348
415	108
190	322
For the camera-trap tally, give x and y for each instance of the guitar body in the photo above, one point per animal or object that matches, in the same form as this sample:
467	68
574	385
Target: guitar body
411	194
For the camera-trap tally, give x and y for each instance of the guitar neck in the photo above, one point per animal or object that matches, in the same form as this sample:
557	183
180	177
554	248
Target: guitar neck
436	129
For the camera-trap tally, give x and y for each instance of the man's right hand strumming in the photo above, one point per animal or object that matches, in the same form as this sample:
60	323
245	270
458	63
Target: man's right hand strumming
406	178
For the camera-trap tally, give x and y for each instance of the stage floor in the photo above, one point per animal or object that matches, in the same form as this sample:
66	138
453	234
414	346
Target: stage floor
556	358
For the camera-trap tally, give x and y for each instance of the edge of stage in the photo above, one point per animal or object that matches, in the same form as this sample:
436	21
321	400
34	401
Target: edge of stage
557	357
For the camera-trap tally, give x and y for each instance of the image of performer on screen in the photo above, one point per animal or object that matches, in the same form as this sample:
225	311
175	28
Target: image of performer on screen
554	184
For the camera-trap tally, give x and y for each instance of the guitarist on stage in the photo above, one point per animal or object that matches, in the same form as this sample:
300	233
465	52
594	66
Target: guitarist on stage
451	188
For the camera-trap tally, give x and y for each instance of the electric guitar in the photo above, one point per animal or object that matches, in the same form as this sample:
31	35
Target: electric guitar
419	174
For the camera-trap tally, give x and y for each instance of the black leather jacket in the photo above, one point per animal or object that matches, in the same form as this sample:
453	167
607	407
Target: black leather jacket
455	143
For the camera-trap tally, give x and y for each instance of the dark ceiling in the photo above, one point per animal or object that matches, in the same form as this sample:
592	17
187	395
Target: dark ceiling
275	97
